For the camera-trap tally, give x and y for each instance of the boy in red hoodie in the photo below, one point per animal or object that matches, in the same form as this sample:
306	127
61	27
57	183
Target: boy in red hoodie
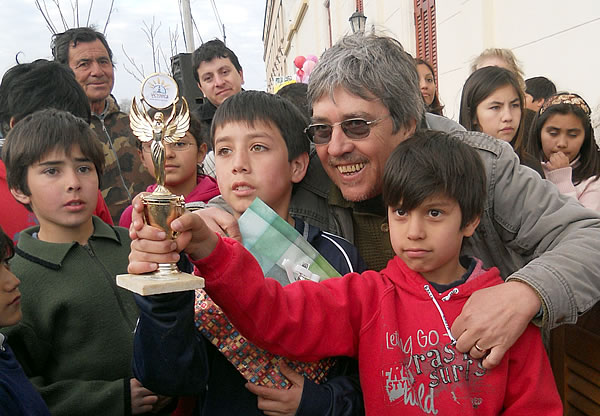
397	321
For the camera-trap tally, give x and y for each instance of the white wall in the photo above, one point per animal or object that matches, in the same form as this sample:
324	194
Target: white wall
551	38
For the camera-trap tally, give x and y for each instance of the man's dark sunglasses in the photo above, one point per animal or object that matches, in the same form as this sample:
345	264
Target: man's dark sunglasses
354	128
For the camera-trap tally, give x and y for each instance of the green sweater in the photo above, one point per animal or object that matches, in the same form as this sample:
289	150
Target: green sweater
75	342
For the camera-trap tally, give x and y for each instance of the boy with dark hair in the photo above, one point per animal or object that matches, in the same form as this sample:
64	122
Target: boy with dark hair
296	93
27	88
75	341
261	151
17	394
537	89
397	321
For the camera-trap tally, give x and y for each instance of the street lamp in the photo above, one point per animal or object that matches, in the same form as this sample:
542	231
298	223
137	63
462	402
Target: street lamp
358	21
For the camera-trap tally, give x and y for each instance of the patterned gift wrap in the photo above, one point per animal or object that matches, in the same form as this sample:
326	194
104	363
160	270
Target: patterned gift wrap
258	366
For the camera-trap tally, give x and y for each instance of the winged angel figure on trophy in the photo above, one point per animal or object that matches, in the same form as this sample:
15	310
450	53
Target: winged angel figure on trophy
159	132
159	92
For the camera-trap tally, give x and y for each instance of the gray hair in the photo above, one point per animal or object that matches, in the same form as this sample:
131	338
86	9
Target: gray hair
371	67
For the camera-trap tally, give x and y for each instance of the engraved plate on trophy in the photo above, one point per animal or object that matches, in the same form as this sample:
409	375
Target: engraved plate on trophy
159	92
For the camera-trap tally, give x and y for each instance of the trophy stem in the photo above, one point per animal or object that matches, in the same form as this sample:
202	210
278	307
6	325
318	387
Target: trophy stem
166	271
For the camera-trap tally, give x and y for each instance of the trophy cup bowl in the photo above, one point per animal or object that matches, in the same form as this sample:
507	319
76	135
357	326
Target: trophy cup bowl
159	211
159	91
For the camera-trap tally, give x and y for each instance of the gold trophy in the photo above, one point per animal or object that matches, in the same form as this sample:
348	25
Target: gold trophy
159	91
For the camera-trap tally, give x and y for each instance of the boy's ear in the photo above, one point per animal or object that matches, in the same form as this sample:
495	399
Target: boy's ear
12	122
202	149
539	103
20	196
469	229
298	167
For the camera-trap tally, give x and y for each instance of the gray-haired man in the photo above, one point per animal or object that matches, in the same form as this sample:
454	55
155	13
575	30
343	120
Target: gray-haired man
365	100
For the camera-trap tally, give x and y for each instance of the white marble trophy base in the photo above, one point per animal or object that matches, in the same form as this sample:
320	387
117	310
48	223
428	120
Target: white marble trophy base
150	284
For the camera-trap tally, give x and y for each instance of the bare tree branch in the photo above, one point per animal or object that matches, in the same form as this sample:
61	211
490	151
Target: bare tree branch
139	70
42	6
74	12
60	13
197	31
173	37
87	21
112	3
46	17
150	32
167	63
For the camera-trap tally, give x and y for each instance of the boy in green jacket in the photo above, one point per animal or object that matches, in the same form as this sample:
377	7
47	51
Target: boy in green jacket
76	337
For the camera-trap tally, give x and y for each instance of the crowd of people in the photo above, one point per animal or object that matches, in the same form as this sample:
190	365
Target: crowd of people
455	242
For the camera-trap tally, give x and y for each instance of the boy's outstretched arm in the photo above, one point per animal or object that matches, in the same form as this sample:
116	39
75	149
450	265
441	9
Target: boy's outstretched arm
306	321
332	312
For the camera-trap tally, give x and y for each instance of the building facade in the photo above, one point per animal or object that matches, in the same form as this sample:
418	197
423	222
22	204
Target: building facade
551	38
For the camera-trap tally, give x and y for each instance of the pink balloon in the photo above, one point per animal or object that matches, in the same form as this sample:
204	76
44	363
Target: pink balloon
312	58
299	61
305	78
308	67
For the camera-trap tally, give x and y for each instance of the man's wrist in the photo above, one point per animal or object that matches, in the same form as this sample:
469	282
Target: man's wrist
534	302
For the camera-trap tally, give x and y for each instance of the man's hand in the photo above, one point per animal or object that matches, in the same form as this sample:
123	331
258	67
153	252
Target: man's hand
142	399
275	402
493	319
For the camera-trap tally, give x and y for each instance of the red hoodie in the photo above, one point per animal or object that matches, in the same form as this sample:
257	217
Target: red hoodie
393	322
205	190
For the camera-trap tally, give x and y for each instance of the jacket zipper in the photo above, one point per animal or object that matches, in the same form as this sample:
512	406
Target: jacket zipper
111	282
435	302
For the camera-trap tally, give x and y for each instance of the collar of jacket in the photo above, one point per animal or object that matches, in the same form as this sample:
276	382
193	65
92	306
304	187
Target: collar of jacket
110	107
207	110
52	255
410	281
306	230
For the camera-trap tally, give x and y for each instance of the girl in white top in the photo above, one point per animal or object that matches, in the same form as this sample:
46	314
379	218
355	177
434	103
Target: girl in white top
563	139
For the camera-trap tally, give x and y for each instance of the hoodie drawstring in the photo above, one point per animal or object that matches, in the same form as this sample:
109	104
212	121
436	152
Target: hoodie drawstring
428	290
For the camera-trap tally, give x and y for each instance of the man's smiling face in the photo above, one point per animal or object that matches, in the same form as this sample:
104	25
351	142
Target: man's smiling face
356	166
